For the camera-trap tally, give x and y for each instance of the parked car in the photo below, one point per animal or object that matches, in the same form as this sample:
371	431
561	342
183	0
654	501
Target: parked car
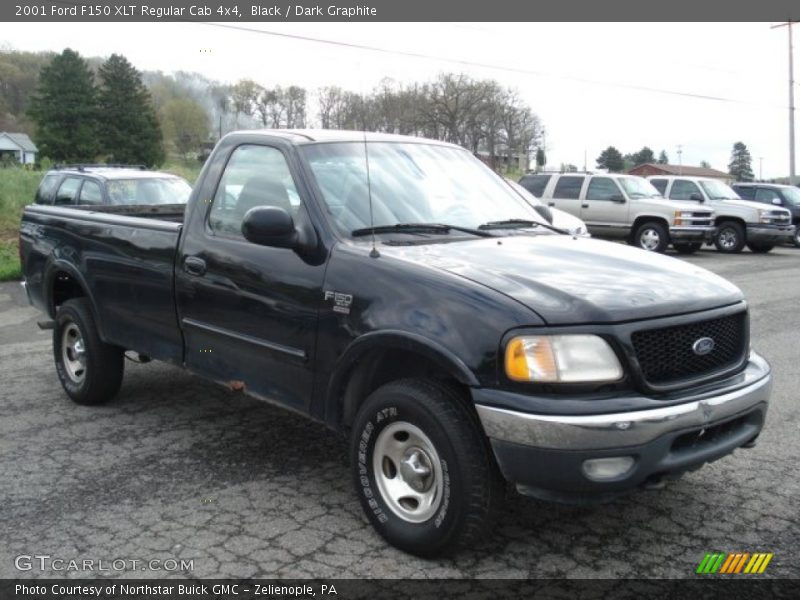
557	218
409	302
786	196
115	185
739	222
625	207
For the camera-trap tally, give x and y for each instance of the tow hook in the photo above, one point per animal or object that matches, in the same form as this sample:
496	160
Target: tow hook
656	482
750	444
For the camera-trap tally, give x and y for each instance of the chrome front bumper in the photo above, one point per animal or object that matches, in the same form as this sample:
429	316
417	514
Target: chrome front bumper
634	428
699	233
770	233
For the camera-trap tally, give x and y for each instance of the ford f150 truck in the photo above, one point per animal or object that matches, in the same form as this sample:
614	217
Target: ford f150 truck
398	290
739	222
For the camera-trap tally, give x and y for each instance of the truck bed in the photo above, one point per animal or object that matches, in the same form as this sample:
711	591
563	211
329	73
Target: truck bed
125	254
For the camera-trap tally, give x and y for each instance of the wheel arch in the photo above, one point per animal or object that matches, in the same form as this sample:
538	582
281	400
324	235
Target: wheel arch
62	282
380	357
642	219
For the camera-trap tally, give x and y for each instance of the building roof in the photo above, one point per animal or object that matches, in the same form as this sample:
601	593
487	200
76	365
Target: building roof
21	140
684	170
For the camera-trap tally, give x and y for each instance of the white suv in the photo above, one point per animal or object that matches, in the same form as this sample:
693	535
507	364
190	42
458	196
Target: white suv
626	207
739	222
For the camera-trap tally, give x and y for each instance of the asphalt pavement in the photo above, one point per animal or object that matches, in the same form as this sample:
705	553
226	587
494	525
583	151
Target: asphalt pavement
214	484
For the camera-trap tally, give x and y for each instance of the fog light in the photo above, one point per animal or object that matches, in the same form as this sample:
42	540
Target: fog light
603	469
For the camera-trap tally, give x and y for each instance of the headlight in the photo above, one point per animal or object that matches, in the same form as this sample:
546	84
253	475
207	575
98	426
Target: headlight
561	359
763	216
681	216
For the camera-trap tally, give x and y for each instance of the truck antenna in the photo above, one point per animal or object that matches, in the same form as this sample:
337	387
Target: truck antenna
374	252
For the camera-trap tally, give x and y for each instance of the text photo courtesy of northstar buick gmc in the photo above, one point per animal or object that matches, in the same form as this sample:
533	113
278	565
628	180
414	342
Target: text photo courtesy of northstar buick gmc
399	291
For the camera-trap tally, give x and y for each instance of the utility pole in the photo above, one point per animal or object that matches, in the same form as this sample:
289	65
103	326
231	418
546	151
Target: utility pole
788	26
680	159
761	168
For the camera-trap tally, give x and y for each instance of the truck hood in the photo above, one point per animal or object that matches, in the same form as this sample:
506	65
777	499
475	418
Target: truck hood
748	206
568	280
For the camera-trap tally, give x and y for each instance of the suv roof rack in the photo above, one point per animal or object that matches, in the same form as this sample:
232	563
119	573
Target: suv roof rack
84	166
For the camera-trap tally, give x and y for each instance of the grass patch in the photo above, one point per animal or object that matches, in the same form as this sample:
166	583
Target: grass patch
17	188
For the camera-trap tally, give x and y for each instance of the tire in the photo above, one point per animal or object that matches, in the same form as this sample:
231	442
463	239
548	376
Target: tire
730	237
687	248
90	371
652	236
796	238
446	463
760	248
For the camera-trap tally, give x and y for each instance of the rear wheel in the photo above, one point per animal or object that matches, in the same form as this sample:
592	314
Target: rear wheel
423	469
652	236
90	370
760	248
687	248
730	237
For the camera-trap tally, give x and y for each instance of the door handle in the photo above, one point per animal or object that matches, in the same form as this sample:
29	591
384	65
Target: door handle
551	204
584	206
194	266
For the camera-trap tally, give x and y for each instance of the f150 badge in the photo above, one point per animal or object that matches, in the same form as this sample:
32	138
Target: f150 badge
341	302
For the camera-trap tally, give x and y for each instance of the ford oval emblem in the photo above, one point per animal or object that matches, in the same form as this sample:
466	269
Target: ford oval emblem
703	346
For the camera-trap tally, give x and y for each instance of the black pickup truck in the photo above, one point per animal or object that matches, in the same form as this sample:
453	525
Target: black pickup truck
397	290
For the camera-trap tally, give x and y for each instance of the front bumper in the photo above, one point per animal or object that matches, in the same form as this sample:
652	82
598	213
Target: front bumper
770	234
544	455
692	233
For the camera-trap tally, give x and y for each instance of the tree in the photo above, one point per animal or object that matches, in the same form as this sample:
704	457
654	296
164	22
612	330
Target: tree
185	125
64	108
129	130
663	159
243	97
643	157
740	166
705	164
611	159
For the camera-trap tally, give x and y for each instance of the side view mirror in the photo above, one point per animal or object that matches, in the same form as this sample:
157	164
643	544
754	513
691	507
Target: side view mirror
618	198
696	197
544	212
270	226
777	201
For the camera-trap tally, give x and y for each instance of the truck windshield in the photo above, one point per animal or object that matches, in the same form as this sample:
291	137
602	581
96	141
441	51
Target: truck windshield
716	190
161	190
411	183
637	187
792	195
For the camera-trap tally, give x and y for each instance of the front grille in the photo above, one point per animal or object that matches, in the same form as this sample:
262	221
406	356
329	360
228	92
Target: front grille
666	355
700	218
779	218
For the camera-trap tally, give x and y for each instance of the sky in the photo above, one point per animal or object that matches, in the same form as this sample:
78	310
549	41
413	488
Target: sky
592	84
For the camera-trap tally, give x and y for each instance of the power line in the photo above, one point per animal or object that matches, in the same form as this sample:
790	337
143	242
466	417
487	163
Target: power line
420	55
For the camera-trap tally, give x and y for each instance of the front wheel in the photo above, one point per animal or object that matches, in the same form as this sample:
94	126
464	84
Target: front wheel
90	370
730	237
760	248
796	238
652	236
423	469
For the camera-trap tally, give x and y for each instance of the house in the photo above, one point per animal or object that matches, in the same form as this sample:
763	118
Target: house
649	169
18	145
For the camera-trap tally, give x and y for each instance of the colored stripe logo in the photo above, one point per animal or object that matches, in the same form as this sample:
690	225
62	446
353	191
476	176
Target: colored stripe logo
734	563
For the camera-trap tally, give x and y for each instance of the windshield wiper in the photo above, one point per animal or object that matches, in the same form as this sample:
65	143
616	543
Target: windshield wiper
518	224
417	228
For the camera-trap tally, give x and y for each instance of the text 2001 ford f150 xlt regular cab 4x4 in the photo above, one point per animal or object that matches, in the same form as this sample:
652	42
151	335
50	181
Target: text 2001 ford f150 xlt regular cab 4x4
397	289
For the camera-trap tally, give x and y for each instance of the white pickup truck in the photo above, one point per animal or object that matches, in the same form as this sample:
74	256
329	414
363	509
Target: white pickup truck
739	222
627	207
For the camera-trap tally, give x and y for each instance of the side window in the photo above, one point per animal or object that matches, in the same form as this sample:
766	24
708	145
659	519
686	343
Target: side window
602	188
745	193
90	193
683	189
766	195
535	184
568	187
44	195
254	176
660	185
68	190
